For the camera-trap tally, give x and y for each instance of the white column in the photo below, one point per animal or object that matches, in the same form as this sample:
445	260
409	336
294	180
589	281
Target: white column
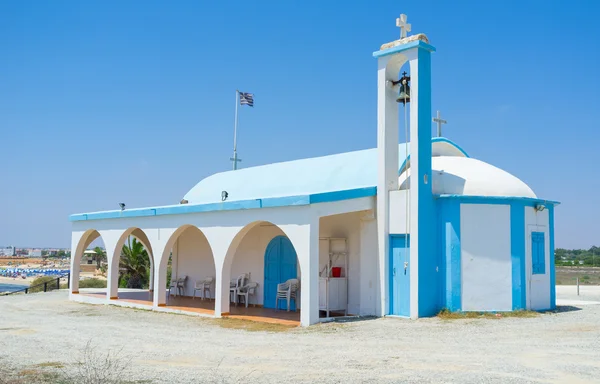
162	251
222	290
369	299
76	253
305	239
387	167
224	242
151	275
112	282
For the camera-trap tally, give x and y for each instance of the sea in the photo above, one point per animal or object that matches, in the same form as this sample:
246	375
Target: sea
11	287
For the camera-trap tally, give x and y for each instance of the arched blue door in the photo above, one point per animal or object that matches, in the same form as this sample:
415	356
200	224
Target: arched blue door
280	265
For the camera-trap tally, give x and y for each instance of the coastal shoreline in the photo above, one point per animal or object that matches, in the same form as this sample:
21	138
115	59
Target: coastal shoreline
16	281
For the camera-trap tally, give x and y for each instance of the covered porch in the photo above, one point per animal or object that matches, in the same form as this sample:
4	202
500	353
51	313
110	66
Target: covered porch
206	261
143	299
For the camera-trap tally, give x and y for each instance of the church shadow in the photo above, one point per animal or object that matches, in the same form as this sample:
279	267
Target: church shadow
563	309
351	319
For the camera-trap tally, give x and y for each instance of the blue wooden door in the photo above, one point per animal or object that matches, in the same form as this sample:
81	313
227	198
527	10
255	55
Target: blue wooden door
280	265
399	275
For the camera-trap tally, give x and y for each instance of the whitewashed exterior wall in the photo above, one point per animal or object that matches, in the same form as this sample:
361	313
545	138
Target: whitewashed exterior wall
486	257
346	226
193	258
398	212
370	296
250	257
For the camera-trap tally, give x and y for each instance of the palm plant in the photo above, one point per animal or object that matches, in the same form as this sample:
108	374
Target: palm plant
100	257
134	264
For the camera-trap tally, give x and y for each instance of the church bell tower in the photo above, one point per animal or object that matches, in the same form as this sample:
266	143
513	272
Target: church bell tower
394	90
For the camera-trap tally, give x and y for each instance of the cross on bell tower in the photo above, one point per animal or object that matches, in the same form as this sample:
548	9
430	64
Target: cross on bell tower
403	25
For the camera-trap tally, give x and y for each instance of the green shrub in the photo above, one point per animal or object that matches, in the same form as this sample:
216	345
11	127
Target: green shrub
92	283
40	281
169	274
123	279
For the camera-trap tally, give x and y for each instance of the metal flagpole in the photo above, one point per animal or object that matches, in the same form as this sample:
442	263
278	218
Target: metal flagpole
234	158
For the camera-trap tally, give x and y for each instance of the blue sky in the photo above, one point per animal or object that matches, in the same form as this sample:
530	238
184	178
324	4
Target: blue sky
103	102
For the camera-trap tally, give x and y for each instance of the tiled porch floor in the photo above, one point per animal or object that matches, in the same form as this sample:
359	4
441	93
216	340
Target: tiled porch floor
207	306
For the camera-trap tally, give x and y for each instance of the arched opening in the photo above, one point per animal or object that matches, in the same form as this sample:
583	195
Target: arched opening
188	268
132	267
261	257
89	266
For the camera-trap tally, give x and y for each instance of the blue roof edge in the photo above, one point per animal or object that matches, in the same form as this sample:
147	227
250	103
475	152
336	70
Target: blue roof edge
435	140
499	199
271	202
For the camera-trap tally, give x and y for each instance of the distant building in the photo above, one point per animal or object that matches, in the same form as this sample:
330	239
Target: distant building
35	253
8	251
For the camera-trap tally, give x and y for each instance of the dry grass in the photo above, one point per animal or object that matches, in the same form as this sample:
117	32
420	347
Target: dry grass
569	275
448	315
51	364
251	326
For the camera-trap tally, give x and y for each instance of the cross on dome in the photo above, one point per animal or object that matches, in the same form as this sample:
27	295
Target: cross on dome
439	122
403	25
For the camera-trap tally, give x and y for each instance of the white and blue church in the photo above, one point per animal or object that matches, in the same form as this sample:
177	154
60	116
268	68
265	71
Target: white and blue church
404	229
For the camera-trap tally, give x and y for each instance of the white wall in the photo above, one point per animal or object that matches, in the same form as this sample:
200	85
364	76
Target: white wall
193	258
486	257
250	257
346	226
370	298
538	285
398	212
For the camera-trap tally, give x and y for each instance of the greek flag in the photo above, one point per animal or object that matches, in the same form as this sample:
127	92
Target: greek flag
247	99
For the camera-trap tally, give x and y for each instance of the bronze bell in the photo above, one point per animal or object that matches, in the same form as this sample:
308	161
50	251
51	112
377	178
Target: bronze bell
404	92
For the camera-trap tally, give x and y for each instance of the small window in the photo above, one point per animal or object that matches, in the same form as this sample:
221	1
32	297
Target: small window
538	254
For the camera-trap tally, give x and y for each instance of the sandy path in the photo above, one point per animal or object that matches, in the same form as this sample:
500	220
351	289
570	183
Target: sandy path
553	348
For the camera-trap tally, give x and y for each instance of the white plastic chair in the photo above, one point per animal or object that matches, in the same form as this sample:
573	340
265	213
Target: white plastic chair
181	285
236	284
287	291
171	286
203	286
247	290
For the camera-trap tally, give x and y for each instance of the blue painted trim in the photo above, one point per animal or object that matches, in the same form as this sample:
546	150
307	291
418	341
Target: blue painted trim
527	201
430	278
434	140
445	140
342	195
452	252
325	197
404	47
517	251
552	261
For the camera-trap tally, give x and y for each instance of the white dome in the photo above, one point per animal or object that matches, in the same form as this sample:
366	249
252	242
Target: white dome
470	177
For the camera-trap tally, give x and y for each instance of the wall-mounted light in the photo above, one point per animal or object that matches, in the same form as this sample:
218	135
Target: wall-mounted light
122	205
224	195
540	207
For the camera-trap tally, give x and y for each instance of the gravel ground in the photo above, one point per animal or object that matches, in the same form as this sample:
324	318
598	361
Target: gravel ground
47	330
